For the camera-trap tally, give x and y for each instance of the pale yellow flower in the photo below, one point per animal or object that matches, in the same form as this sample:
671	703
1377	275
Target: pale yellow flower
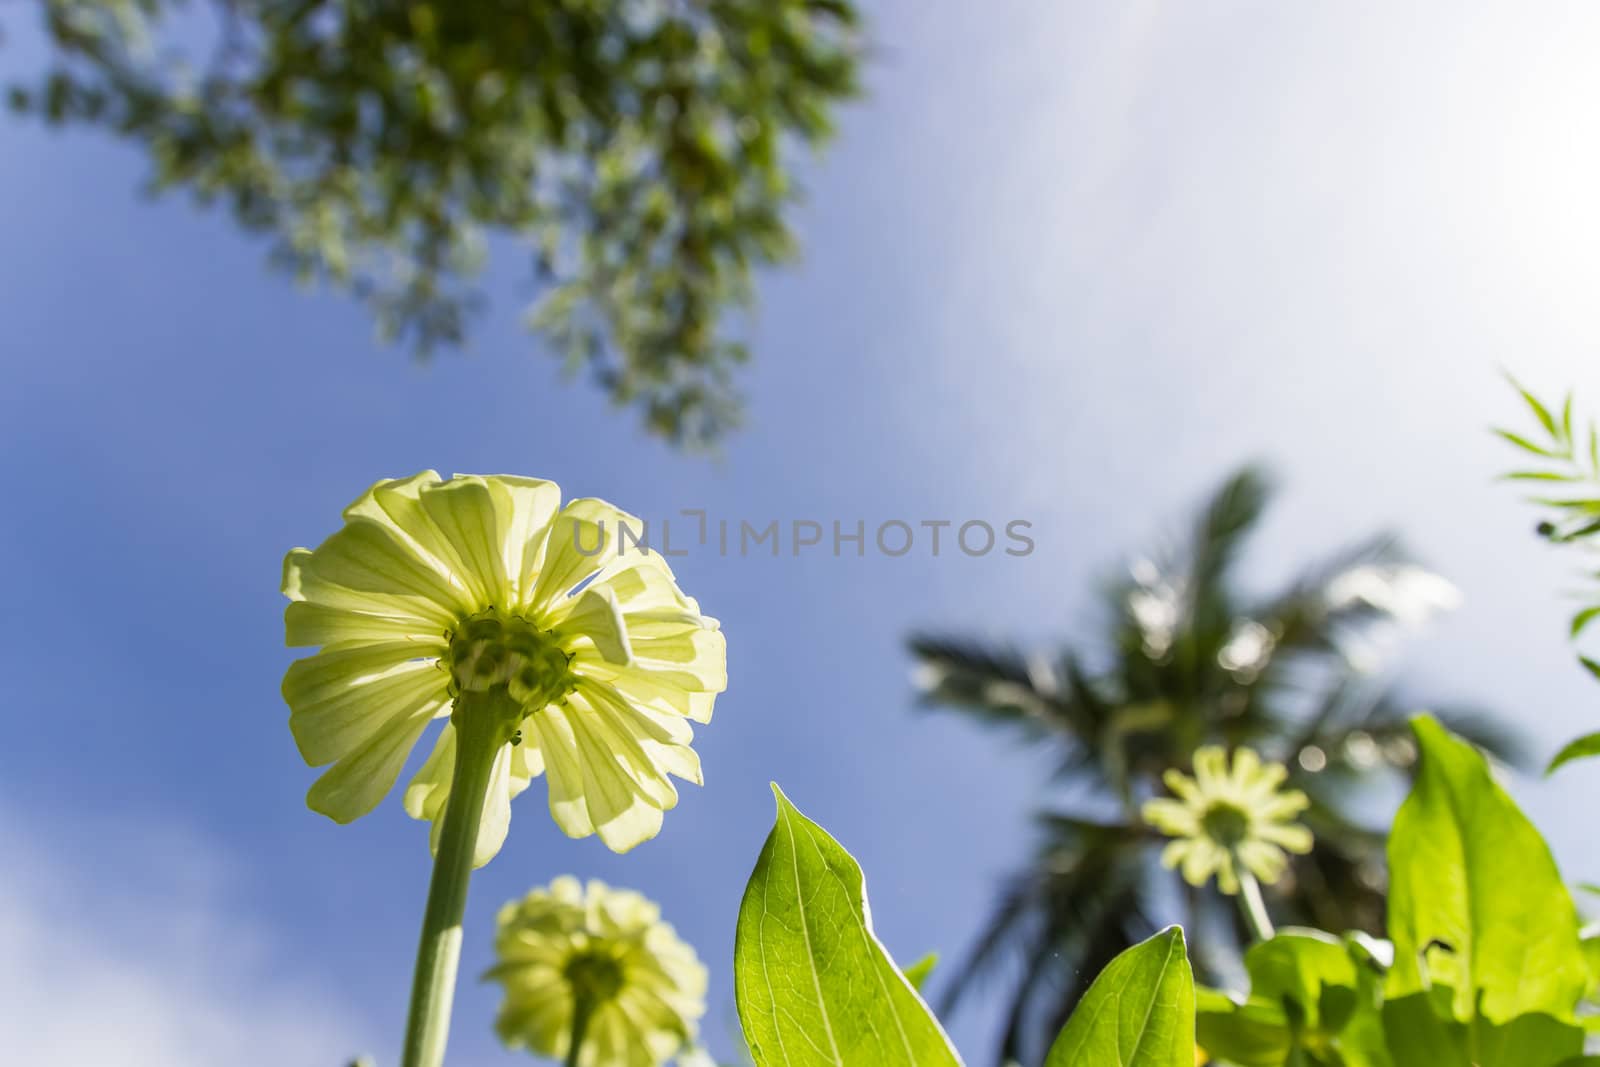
487	585
607	949
1229	820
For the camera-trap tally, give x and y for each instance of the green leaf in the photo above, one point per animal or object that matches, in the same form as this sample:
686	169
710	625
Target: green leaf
1252	1034
1309	993
1139	1013
1590	665
1422	1034
1474	886
1587	505
917	973
812	982
1579	748
1591	956
1539	476
1527	445
1309	972
1540	412
1583	618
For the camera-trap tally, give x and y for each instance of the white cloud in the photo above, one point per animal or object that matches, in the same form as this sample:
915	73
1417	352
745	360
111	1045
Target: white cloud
128	954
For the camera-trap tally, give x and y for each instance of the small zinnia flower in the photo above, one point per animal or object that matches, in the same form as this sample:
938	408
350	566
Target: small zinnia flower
1229	821
604	952
487	586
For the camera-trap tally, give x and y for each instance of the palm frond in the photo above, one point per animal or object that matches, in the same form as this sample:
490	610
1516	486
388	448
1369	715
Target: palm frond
999	685
1309	617
1229	516
1117	923
1085	877
1339	885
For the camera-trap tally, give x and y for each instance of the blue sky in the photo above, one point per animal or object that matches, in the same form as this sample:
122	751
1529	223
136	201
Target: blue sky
1066	264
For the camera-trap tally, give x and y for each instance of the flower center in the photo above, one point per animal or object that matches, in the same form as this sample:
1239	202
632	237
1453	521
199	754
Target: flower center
1225	824
490	650
595	978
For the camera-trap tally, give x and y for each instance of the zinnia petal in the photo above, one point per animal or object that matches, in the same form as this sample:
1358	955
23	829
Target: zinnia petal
473	523
533	507
620	812
565	771
584	537
1291	836
337	698
595	621
354	785
369	557
427	797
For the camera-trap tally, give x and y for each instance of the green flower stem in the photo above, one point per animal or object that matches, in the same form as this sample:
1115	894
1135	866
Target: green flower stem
481	730
582	1010
1254	908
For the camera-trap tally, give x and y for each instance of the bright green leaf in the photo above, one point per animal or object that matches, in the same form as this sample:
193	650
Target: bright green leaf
1579	748
1472	880
1584	504
1540	476
1540	412
1309	993
1421	1034
917	973
1252	1034
1311	973
1527	445
814	986
1138	1013
1583	618
1591	956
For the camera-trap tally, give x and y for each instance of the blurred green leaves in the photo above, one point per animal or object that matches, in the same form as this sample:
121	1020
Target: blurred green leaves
813	984
639	150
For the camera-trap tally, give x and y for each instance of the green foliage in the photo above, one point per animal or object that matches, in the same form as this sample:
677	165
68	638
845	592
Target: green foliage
1423	1034
1568	456
1314	1000
813	984
917	973
1565	456
1509	940
1189	656
1487	966
640	149
1138	1013
1578	748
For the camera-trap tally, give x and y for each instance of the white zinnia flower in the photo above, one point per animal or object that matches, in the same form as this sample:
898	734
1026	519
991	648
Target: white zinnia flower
487	586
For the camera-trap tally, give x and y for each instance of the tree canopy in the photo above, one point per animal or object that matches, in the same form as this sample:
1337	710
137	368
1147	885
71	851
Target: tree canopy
642	150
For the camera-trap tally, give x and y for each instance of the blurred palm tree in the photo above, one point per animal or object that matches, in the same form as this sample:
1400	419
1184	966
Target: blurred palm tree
1188	658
